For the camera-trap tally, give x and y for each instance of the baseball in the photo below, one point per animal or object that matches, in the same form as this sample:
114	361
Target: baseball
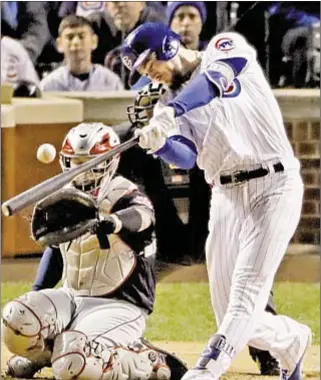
46	153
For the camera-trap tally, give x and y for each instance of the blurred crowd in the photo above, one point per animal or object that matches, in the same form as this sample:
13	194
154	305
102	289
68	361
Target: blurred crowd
70	45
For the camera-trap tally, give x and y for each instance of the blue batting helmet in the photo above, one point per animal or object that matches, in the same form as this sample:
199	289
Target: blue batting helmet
151	37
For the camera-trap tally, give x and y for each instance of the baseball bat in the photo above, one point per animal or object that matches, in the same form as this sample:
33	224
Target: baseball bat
43	189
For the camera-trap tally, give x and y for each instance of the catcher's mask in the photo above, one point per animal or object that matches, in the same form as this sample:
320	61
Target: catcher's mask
63	216
142	110
83	143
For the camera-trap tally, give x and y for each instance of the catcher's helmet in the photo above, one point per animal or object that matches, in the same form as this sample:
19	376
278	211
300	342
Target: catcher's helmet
151	37
142	110
84	142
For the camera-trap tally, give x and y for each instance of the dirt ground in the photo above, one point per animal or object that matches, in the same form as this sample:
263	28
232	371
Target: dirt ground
243	367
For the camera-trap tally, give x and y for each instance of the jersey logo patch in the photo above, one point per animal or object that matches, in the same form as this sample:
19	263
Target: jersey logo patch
233	91
224	44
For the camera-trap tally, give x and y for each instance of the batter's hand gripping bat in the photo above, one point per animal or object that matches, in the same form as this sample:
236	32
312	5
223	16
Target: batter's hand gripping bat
38	192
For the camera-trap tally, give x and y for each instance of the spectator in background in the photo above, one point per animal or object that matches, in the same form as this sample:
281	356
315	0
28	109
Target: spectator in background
16	65
275	30
76	41
113	25
26	22
86	8
50	58
80	8
187	18
295	43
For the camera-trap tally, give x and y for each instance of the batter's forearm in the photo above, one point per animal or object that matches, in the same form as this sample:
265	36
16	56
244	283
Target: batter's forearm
178	151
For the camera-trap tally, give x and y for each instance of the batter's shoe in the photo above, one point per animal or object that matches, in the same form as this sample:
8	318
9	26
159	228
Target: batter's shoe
198	374
297	374
167	365
22	368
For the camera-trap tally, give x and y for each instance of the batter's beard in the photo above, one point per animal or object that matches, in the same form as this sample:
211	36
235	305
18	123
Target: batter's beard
178	80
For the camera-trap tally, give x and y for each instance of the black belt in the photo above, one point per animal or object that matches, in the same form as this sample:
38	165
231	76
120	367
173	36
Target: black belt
244	175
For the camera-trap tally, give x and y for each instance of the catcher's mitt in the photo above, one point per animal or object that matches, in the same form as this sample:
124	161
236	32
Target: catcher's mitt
63	216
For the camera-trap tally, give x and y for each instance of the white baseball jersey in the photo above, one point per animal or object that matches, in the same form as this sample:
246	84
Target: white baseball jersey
235	131
16	65
252	222
100	79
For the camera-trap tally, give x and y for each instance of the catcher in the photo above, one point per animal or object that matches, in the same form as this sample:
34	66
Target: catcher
91	327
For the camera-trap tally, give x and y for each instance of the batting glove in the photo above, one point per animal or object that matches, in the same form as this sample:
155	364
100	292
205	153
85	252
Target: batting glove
161	125
151	138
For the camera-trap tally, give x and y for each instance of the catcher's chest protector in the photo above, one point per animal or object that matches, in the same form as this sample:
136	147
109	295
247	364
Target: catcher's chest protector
90	270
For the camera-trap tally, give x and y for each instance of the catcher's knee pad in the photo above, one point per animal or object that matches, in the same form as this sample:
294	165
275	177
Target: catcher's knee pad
75	356
143	361
26	322
128	363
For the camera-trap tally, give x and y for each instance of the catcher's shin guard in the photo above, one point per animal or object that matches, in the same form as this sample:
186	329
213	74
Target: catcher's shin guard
75	356
26	323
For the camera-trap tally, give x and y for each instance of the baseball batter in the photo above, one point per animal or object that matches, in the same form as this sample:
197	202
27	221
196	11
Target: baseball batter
91	328
221	112
141	112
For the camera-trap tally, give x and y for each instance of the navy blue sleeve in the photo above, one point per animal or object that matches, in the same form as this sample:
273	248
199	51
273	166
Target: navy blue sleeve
207	86
186	100
178	151
50	269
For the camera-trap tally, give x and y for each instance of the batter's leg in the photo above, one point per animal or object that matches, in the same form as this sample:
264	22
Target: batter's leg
267	364
264	237
222	246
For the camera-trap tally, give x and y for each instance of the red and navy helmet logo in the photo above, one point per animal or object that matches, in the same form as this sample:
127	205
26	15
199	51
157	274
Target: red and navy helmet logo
224	44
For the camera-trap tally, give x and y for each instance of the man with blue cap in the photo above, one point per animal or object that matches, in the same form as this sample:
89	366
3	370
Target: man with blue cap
221	112
187	19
